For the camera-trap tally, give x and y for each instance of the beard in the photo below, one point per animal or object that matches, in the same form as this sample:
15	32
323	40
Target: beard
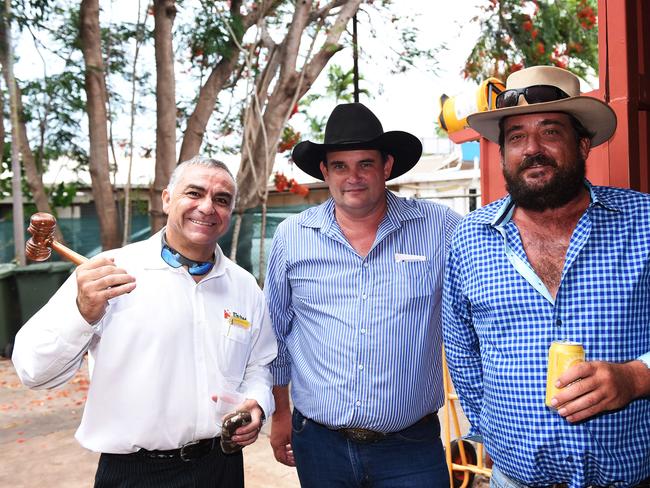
564	185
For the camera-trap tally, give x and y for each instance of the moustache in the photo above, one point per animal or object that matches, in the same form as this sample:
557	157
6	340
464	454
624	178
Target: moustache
537	160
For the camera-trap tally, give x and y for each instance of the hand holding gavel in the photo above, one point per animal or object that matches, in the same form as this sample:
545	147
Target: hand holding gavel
97	281
39	246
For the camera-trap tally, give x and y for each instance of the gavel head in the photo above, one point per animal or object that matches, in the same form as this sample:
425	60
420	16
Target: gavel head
41	227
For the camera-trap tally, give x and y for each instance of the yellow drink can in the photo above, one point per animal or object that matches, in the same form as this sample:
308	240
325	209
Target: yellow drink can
561	356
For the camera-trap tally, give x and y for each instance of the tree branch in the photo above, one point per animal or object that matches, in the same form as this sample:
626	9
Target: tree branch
326	10
292	39
330	46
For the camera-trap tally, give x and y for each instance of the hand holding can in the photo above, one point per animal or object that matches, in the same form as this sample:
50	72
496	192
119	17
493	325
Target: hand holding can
561	356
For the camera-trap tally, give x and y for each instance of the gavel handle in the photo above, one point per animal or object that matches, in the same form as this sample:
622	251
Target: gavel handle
68	253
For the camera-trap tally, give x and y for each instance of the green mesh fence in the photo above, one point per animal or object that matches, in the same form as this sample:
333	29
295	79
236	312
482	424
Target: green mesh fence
82	235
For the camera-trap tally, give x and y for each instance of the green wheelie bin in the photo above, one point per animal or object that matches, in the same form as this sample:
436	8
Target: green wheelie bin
37	283
9	309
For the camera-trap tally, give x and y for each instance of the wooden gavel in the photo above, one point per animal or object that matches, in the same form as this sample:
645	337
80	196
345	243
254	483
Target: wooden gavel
39	246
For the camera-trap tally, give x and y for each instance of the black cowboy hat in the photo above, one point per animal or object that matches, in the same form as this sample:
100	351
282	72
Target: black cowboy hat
353	126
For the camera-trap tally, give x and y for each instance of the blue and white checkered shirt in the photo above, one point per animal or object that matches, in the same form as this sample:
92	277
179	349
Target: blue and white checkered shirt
360	338
499	324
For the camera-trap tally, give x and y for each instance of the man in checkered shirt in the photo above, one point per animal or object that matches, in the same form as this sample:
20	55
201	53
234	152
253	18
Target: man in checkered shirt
556	259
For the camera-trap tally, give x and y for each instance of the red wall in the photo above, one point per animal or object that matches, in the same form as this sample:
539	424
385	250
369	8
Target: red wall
624	83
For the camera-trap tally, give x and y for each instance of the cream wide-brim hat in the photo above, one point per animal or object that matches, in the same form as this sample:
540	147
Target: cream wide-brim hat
596	116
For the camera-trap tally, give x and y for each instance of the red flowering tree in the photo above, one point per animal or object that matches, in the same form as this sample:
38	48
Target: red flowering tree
521	33
282	183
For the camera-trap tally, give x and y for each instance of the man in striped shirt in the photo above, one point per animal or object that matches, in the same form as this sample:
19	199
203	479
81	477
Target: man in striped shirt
354	291
556	260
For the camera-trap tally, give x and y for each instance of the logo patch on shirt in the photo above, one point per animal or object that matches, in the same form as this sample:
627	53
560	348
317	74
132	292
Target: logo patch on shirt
233	318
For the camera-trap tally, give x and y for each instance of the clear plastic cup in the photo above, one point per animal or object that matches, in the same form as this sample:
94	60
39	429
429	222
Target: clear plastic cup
229	396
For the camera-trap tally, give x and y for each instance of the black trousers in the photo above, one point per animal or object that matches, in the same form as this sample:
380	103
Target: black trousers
214	470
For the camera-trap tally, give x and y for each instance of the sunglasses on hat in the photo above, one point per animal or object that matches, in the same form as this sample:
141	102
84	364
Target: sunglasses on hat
532	94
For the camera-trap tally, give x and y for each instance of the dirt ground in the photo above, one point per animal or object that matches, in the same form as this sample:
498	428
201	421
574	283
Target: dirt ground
38	447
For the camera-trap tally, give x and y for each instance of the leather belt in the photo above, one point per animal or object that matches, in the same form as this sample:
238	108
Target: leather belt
188	452
366	436
362	435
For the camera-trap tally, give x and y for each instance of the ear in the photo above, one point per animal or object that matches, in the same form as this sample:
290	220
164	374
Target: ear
166	199
323	169
388	166
584	147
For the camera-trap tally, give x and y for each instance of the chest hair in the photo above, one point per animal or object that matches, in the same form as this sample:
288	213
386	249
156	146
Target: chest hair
546	251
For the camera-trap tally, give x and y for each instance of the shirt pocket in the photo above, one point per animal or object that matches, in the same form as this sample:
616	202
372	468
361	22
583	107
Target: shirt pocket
235	333
415	277
233	344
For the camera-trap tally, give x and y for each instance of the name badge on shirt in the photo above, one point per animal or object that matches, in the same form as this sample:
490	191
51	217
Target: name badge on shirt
409	258
233	318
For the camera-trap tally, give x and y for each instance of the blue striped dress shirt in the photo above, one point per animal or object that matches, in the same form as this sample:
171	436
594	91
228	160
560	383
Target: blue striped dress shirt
360	338
499	321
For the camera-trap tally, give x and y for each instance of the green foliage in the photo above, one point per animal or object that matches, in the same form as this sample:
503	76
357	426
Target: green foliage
339	89
6	181
54	103
340	84
55	108
62	195
55	100
26	13
5	168
523	33
207	39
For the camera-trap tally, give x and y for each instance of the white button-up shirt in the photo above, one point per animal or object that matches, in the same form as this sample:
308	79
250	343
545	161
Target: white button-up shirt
158	354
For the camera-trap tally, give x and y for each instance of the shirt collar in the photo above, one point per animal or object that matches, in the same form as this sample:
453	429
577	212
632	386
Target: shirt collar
501	214
398	210
153	260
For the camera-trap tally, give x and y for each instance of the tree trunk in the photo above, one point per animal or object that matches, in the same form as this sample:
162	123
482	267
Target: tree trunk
234	242
2	119
164	14
198	121
261	139
34	179
97	124
16	189
126	234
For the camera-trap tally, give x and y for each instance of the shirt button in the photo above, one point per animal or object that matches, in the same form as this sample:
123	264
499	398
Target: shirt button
364	296
365	265
569	459
358	404
360	366
558	322
363	331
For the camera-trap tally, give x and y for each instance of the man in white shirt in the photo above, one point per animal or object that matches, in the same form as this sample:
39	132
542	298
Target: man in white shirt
168	323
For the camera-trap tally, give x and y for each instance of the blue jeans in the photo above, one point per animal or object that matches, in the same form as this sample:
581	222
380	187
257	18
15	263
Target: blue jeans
500	480
411	458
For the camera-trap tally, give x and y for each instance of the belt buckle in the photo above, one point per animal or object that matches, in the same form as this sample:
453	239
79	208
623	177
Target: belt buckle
187	457
363	435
